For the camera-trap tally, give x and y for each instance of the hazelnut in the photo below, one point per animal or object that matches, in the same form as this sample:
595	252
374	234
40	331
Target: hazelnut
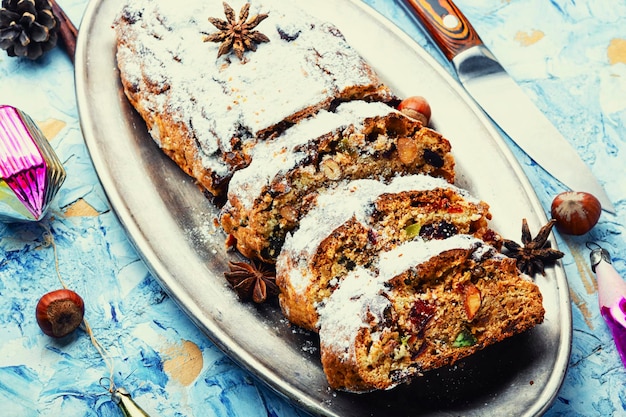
331	169
575	212
60	312
416	107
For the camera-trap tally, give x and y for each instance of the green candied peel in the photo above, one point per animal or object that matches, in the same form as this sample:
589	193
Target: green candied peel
403	349
345	146
464	339
412	230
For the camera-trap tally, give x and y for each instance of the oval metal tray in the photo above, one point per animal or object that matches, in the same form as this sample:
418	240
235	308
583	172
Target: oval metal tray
170	223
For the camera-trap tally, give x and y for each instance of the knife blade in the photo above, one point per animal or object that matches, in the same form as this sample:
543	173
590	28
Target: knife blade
501	98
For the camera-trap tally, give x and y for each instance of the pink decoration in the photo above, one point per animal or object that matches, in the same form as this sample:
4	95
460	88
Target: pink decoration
30	172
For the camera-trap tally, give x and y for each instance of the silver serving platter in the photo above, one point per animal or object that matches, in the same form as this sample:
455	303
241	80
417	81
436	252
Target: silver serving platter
171	224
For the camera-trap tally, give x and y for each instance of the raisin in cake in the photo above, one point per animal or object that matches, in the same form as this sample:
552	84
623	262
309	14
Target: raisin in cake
351	224
357	140
427	304
207	112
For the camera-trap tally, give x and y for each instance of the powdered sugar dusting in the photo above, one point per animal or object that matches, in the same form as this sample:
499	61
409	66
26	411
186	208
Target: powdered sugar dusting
336	206
333	208
426	182
270	158
306	63
359	299
354	305
418	251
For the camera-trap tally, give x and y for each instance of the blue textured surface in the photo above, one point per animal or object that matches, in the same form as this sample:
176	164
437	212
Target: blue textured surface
569	56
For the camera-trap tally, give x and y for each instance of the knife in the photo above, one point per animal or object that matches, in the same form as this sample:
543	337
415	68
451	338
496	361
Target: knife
497	94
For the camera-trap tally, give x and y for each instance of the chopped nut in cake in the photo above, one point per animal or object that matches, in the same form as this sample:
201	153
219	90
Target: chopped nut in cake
351	224
358	140
207	112
386	325
353	200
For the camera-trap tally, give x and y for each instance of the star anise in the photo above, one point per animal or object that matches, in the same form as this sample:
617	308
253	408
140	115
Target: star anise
536	253
237	35
253	281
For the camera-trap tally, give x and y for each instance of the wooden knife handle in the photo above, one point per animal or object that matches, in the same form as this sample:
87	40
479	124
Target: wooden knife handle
448	27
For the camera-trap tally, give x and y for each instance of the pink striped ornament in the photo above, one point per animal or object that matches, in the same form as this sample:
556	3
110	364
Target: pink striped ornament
30	172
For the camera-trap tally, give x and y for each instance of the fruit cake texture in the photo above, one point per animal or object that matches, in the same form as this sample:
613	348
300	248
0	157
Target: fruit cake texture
357	140
207	112
350	225
375	248
426	304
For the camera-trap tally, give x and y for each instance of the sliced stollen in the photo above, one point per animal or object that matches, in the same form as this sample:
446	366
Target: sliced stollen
357	140
426	305
206	112
351	224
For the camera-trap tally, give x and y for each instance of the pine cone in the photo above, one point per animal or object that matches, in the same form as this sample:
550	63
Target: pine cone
28	28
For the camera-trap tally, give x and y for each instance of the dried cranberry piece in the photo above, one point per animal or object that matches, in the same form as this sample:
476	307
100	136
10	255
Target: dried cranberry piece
420	314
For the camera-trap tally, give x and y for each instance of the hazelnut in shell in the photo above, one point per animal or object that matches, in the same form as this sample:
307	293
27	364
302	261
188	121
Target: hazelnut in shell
416	107
60	312
575	212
